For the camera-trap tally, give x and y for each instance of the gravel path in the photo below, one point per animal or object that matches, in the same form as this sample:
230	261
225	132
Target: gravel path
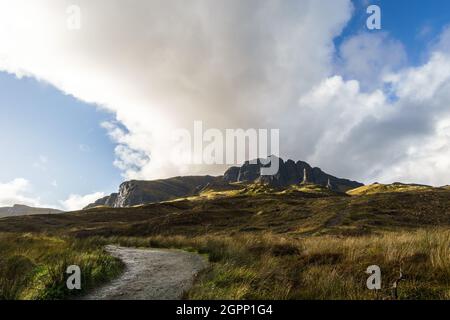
151	274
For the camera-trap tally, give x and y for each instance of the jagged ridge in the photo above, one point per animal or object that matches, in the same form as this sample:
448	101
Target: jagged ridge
289	173
136	192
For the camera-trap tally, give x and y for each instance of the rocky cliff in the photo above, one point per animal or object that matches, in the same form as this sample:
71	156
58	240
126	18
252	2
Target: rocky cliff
289	173
135	192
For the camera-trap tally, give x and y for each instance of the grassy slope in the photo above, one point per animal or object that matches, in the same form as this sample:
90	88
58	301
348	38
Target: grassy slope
255	266
167	189
378	188
293	212
34	266
305	242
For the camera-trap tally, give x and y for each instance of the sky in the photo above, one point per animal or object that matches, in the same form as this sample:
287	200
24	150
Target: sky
83	109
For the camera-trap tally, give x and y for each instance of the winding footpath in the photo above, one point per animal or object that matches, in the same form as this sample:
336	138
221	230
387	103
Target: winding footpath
151	274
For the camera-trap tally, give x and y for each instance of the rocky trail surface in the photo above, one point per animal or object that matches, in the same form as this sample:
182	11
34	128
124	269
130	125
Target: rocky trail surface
151	274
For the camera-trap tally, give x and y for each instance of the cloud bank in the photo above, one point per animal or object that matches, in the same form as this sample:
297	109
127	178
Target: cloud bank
16	192
161	65
77	202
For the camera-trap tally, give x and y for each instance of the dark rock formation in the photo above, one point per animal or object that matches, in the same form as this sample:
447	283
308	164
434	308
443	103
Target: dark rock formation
232	174
135	192
289	173
109	201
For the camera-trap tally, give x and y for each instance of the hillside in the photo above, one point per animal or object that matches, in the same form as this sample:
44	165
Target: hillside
22	210
391	188
132	193
136	192
302	242
299	210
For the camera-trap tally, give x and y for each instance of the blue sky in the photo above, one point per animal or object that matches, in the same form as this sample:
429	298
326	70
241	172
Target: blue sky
415	23
56	142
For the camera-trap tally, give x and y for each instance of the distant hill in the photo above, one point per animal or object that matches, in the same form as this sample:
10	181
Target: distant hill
22	210
132	193
302	210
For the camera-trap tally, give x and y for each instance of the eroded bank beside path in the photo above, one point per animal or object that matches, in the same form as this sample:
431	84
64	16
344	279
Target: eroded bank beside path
151	274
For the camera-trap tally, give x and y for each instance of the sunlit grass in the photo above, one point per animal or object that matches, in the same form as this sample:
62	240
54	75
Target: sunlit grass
34	266
387	188
277	267
306	242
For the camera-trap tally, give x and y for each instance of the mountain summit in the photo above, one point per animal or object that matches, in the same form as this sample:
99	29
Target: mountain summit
136	192
289	173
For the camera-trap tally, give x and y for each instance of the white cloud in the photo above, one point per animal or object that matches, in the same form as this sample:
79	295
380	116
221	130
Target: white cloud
160	65
15	192
18	191
368	57
400	135
426	162
77	202
423	83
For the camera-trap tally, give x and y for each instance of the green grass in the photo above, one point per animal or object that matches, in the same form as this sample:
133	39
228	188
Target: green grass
294	212
245	266
302	243
389	188
34	266
325	267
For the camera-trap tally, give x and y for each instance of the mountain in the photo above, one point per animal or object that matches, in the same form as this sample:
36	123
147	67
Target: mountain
289	173
299	211
22	210
135	192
